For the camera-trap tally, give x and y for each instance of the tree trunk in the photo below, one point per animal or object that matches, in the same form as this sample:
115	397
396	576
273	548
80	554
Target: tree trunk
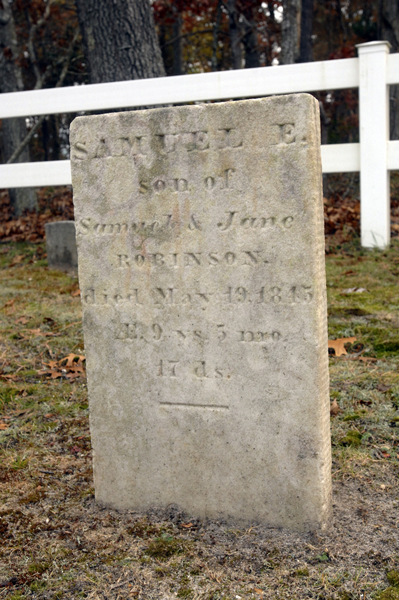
13	131
120	40
306	44
389	31
177	44
250	41
290	31
234	30
215	40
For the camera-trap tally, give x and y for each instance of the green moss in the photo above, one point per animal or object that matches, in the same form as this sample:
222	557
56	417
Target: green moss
393	577
390	593
19	463
162	571
38	567
302	572
37	586
352	438
17	596
351	417
165	546
184	592
7	394
142	529
323	557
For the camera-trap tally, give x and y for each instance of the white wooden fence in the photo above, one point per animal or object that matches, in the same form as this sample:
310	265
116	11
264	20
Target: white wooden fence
372	72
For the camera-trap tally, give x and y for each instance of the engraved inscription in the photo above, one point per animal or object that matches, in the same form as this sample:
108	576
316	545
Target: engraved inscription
138	332
251	222
134	331
302	294
129	146
171	369
242	258
259	336
166	222
160	184
233	295
135	145
189	140
287	134
167	368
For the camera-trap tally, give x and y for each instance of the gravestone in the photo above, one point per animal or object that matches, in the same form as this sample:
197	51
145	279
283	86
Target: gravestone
201	266
61	245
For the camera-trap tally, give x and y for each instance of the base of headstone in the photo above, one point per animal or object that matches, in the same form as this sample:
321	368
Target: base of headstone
61	245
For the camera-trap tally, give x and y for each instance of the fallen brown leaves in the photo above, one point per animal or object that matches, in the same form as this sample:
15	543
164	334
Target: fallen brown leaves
53	206
339	345
334	408
342	219
69	367
341	213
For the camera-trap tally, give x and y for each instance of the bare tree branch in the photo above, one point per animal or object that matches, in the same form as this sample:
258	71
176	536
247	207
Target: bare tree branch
59	83
184	35
31	49
216	34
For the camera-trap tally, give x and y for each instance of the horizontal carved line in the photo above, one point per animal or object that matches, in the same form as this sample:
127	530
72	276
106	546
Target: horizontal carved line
187	405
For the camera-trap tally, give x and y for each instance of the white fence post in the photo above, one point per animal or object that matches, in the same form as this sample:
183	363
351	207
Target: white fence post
374	137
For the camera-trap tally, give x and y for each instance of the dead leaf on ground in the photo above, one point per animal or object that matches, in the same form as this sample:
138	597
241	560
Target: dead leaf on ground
258	591
70	366
22	320
334	408
354	290
37	332
9	377
9	582
383	388
9	303
9	307
75	293
4	425
339	345
16	260
74	360
49	320
365	402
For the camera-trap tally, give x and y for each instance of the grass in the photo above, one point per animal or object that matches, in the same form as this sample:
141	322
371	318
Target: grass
57	543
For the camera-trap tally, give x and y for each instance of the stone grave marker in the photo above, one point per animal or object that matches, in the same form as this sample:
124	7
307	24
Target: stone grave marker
201	266
61	245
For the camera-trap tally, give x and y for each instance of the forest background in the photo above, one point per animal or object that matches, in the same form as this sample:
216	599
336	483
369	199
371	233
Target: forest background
53	43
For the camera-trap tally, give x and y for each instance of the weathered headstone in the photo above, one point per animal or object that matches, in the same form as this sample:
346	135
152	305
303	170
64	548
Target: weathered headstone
61	245
201	266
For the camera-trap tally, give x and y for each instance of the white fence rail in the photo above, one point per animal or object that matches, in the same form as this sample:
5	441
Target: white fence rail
372	72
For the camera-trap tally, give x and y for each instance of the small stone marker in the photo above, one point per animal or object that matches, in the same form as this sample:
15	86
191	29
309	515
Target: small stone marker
61	245
201	266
